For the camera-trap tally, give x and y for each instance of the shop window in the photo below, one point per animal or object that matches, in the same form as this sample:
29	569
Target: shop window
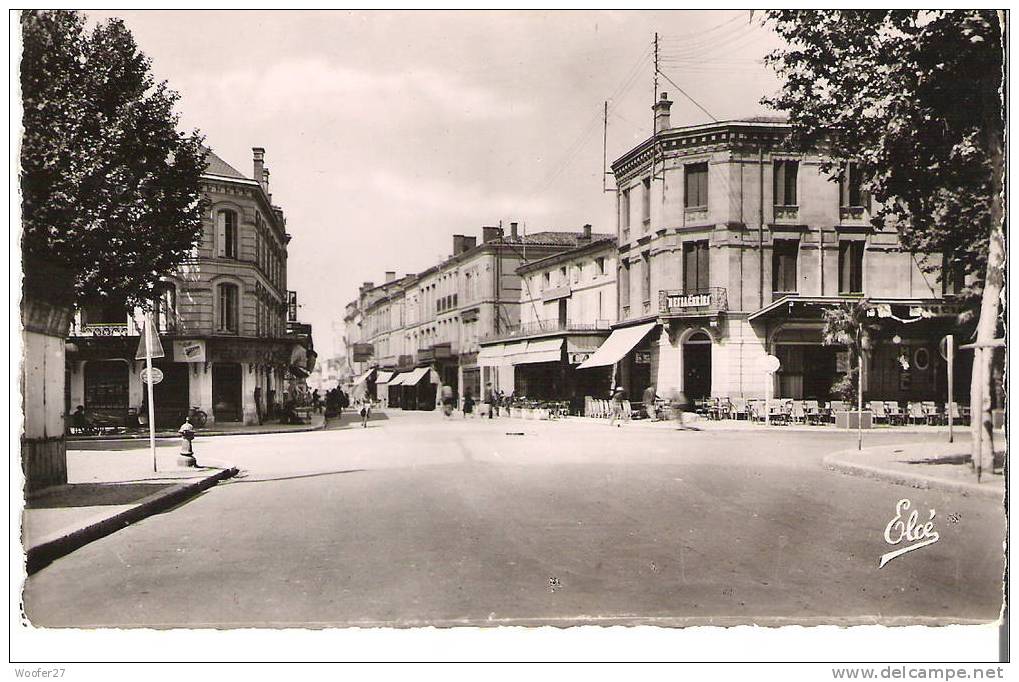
783	265
226	233
695	176
785	173
851	267
228	297
695	266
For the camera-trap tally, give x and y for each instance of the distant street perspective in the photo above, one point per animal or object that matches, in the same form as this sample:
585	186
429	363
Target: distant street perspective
421	520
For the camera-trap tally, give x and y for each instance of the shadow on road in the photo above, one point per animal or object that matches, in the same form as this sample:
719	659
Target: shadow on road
242	477
95	495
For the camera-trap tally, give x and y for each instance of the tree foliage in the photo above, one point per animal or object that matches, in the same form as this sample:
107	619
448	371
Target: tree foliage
914	96
110	187
849	325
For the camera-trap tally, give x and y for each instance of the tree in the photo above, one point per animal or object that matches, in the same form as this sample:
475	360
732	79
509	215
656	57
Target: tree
847	325
915	98
110	188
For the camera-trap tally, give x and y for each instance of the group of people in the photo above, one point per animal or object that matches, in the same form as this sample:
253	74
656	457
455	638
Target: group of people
678	403
335	402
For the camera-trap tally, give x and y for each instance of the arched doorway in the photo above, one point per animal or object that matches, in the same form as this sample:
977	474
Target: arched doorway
697	366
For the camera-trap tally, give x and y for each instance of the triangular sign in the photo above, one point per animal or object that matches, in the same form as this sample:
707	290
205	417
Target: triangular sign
157	346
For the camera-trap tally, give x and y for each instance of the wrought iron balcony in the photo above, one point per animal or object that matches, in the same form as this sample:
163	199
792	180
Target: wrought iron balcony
694	303
548	327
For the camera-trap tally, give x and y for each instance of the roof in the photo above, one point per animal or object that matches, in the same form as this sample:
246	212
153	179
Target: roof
549	238
595	245
217	166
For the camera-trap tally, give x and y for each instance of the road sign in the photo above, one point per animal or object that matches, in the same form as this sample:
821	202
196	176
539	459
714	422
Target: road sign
943	346
771	364
157	346
157	375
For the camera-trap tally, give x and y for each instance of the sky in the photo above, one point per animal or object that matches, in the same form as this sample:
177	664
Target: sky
387	132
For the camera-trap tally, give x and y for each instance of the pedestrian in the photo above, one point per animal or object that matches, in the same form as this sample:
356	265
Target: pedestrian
343	402
649	398
490	398
366	412
447	401
316	401
680	405
618	395
468	404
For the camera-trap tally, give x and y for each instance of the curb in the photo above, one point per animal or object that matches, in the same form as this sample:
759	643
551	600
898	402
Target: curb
43	554
833	462
205	434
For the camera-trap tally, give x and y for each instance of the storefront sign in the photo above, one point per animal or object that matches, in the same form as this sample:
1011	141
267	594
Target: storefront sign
291	306
577	358
688	301
938	310
681	303
642	357
189	351
363	352
104	330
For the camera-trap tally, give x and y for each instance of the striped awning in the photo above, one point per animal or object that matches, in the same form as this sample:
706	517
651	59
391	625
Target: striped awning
619	343
384	377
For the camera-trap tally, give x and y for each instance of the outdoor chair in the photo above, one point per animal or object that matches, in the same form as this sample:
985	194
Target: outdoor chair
813	411
930	408
738	409
916	413
798	412
894	412
722	409
953	409
877	407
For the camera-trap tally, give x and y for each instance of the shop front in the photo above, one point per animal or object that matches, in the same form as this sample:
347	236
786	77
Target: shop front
471	372
627	352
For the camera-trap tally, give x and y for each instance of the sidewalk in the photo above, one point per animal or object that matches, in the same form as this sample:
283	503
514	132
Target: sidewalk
106	491
703	424
940	466
229	429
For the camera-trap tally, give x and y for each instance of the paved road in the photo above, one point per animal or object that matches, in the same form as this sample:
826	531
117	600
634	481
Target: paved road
418	520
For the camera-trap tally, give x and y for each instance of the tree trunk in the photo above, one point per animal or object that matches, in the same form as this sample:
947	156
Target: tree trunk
981	422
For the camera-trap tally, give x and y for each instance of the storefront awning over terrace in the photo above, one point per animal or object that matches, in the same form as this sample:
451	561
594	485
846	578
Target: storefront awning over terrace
538	350
810	307
619	343
384	377
414	377
364	377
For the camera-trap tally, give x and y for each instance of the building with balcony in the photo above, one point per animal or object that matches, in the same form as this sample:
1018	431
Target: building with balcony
222	319
567	308
731	243
438	318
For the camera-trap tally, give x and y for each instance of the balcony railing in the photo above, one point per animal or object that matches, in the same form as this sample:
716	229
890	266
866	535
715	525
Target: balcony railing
695	303
548	327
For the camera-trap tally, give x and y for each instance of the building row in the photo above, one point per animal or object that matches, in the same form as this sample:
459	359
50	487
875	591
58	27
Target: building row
226	322
728	246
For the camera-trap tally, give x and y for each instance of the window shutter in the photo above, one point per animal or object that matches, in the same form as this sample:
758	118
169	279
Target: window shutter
778	186
221	234
789	266
702	265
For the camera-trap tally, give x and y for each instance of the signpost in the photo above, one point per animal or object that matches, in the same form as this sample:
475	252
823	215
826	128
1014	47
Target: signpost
156	374
771	365
148	349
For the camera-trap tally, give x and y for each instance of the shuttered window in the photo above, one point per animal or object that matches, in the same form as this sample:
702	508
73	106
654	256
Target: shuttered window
695	266
851	267
851	187
695	177
226	234
783	265
645	277
785	174
228	308
624	284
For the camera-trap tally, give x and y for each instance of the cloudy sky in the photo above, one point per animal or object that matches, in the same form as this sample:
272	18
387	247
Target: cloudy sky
387	132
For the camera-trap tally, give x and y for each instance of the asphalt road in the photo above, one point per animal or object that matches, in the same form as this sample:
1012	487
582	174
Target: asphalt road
417	520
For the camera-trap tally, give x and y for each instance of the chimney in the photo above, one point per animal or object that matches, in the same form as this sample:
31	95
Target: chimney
458	244
258	156
513	231
265	182
470	242
585	236
661	109
390	276
489	233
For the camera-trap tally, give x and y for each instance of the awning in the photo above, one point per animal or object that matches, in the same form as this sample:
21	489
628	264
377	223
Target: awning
540	350
397	380
412	378
364	377
493	356
619	343
384	377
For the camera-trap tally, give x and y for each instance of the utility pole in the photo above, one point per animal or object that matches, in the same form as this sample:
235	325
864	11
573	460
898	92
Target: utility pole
654	123
605	146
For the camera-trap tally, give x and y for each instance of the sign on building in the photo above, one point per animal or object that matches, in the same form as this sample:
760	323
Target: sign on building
188	351
363	352
291	306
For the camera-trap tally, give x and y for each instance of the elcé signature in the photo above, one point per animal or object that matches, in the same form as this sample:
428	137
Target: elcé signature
908	529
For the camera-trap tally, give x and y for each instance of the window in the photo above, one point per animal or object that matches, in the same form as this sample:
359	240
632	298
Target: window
624	209
851	267
226	232
783	265
695	176
695	266
165	305
624	284
645	277
953	276
105	311
850	188
645	201
599	265
785	182
228	308
548	281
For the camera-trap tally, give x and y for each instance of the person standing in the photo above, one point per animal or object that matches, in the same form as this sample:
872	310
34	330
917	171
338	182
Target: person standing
316	401
490	398
649	398
680	405
618	395
366	412
447	401
468	404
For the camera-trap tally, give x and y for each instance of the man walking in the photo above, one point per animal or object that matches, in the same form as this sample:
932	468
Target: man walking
618	395
649	398
490	399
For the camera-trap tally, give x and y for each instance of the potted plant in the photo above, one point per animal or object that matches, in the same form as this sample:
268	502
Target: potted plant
846	326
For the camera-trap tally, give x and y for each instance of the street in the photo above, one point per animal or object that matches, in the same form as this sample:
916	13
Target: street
418	520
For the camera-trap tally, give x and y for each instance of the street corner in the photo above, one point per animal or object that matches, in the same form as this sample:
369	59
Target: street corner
936	466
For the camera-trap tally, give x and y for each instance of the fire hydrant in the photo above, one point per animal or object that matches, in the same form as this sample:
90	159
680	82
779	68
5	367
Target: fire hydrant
186	458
